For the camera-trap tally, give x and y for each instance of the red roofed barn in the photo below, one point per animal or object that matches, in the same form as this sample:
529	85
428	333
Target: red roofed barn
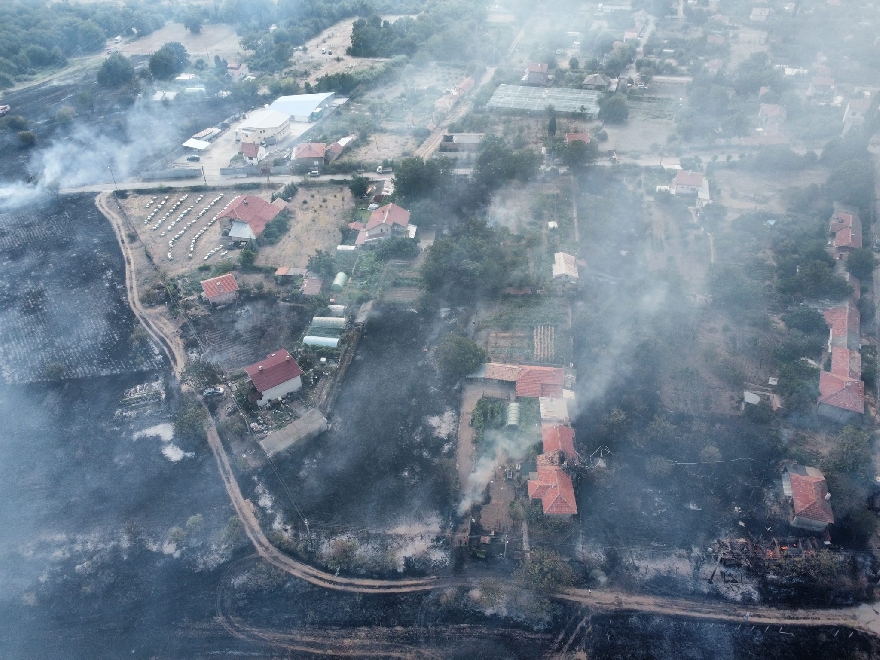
276	376
538	74
809	498
537	382
847	230
220	290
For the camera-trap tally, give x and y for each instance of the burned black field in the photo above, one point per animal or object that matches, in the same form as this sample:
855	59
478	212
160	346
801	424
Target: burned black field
381	462
62	299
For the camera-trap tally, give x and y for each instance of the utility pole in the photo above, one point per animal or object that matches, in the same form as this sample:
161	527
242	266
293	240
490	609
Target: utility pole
115	188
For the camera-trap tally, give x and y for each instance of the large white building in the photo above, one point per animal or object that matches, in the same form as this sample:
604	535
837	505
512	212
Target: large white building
303	107
269	126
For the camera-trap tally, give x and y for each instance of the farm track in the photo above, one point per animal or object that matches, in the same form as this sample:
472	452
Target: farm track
863	618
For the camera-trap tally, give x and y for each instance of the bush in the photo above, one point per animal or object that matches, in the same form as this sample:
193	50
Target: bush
115	71
458	356
27	139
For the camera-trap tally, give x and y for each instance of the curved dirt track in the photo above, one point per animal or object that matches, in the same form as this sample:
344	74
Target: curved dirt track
155	323
864	618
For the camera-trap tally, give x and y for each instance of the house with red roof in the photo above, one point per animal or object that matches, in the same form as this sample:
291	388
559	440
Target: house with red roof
220	290
275	377
536	382
553	486
248	216
577	137
385	222
252	152
309	156
537	74
822	88
687	183
559	438
841	390
846	230
808	498
336	149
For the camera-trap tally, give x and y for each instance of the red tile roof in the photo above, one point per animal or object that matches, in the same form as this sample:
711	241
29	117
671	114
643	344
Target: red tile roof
278	368
844	321
499	371
311	285
465	86
841	392
808	493
538	68
577	137
217	286
254	211
555	490
390	214
536	382
559	437
846	363
771	110
847	230
687	178
250	149
310	150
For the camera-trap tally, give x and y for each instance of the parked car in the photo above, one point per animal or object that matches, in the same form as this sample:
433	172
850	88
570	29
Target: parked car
213	391
314	173
372	207
193	159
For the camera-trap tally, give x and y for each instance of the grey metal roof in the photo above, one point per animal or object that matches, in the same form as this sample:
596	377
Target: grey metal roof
300	105
520	97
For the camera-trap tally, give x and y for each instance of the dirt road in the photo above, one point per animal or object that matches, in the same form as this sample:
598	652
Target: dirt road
864	618
155	322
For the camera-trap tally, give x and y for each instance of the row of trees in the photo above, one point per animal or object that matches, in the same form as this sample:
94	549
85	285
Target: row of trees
35	35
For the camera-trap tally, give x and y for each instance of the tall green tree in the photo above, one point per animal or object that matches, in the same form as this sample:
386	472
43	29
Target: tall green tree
170	60
458	356
614	109
115	71
551	121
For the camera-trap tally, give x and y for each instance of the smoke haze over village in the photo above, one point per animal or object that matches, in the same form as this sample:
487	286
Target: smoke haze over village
401	329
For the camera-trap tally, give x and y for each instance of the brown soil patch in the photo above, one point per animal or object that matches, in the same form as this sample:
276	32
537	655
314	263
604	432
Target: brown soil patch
383	145
313	226
214	39
744	190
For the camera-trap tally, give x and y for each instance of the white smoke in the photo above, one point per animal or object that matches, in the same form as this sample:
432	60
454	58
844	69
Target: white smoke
85	156
496	448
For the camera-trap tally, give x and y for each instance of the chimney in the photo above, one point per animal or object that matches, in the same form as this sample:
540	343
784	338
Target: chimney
287	358
827	497
260	367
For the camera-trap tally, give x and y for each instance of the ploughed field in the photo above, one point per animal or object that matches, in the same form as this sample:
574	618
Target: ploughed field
62	296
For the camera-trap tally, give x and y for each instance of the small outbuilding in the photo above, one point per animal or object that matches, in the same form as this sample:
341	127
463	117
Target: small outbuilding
220	290
808	497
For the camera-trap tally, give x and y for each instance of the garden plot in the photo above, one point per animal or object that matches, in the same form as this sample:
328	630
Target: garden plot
62	300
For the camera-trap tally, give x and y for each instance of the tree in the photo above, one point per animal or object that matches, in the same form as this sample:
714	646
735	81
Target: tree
852	183
551	122
247	257
193	23
805	319
577	155
359	185
416	177
115	71
27	139
200	374
169	60
573	64
861	263
545	571
457	356
322	263
498	163
189	422
613	109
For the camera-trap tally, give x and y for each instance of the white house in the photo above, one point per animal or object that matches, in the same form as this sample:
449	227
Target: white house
252	152
565	267
385	222
275	377
687	183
